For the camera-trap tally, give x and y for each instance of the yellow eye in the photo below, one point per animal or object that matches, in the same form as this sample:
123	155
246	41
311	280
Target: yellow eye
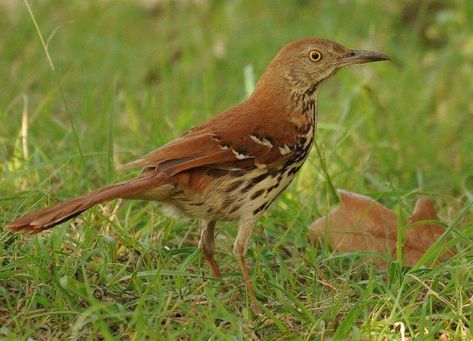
315	56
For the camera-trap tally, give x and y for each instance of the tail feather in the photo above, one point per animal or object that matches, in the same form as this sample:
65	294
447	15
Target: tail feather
52	216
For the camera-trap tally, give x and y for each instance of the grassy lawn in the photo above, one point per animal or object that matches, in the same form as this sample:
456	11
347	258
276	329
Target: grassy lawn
128	78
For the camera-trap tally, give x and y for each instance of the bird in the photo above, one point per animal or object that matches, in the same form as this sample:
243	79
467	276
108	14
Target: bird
235	165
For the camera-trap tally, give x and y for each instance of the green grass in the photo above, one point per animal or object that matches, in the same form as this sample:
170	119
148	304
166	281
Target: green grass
133	79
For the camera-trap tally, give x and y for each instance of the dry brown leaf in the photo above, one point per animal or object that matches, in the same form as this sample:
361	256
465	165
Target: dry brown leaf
420	236
359	223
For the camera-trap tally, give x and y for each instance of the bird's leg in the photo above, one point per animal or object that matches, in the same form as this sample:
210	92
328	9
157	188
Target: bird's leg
239	248
207	245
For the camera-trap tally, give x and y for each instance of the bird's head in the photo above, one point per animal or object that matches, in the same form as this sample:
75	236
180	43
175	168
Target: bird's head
303	65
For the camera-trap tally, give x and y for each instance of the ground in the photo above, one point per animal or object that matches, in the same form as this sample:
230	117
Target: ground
124	77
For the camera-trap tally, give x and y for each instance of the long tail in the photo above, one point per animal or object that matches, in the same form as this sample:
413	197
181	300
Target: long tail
49	217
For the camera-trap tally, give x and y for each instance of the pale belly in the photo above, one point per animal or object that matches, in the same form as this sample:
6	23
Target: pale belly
233	197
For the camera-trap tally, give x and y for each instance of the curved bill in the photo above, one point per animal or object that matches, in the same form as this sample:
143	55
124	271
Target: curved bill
361	57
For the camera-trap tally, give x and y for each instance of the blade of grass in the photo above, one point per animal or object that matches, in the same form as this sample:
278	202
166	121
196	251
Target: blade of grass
58	82
323	166
110	168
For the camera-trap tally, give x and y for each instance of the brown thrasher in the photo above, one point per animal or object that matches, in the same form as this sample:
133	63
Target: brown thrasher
235	165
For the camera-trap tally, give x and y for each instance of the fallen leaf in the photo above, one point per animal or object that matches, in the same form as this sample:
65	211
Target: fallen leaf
360	223
422	232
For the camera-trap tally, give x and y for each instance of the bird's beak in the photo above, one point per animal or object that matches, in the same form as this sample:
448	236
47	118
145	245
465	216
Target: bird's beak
361	57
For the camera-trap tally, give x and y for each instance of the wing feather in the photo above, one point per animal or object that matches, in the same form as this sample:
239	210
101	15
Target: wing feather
238	138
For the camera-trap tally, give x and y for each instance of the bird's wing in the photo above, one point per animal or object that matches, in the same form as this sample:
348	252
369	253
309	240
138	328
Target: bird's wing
238	138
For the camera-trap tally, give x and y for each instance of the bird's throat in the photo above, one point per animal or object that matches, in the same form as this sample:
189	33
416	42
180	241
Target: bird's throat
303	101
